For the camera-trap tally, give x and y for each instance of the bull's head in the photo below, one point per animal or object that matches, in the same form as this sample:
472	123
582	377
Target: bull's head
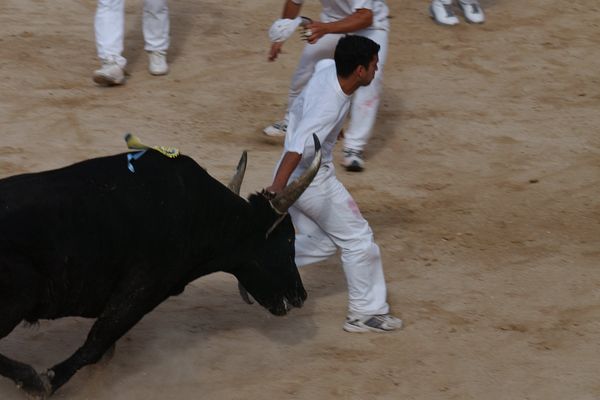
275	282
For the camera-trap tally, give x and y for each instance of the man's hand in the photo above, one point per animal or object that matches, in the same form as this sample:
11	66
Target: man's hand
275	50
315	31
272	190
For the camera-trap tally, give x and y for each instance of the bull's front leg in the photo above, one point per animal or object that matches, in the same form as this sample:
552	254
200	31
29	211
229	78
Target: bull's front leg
121	314
18	288
37	386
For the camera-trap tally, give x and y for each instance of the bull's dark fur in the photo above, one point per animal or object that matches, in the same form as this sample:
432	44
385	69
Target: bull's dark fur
96	240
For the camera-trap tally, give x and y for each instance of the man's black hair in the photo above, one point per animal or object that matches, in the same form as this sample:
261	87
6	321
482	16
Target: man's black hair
352	51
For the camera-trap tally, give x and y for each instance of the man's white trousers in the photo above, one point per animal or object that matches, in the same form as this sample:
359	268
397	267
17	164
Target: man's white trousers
109	26
326	218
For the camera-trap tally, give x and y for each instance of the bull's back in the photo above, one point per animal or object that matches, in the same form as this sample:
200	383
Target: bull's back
85	227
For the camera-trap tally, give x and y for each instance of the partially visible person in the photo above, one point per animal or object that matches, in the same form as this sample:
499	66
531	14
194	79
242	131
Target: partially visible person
326	216
442	12
368	18
109	26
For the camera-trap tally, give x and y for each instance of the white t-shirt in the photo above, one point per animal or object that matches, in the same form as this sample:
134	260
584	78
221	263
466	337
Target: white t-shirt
334	10
321	108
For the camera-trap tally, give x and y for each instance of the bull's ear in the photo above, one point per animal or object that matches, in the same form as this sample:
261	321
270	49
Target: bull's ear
294	190
236	181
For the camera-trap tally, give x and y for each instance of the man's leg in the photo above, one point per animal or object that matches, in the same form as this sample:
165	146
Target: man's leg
156	35
330	206
312	244
364	108
109	26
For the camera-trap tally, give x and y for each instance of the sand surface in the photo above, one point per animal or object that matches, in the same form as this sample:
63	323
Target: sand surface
482	188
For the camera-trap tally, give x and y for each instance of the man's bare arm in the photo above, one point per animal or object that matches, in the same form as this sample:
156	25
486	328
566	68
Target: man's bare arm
288	164
360	19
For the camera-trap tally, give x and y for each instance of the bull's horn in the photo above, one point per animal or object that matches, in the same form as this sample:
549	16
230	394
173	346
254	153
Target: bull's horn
236	181
244	294
294	190
234	185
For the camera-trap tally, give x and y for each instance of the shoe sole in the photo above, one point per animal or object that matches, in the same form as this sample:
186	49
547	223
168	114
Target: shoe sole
470	21
277	134
360	329
105	81
158	73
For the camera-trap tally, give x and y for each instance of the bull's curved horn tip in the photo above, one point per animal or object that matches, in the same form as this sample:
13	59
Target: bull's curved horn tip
243	159
317	142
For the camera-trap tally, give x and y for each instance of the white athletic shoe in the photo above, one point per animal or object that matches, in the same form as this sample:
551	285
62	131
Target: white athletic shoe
472	11
372	323
353	160
276	129
157	63
110	74
441	12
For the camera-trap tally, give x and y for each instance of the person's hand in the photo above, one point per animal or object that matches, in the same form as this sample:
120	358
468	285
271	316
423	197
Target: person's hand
275	50
270	192
315	31
273	189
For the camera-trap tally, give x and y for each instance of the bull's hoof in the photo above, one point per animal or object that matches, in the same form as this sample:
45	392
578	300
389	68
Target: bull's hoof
37	386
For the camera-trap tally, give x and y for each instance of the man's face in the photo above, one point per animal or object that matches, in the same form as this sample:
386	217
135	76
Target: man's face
367	75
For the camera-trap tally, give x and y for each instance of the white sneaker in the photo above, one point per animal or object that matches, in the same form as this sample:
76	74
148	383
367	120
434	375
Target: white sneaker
157	63
441	12
472	11
110	74
372	323
353	160
276	129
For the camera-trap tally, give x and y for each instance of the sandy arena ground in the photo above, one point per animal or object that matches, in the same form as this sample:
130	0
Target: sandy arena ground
482	188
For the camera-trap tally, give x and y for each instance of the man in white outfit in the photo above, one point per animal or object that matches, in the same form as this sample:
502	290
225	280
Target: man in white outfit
325	216
442	13
109	25
368	18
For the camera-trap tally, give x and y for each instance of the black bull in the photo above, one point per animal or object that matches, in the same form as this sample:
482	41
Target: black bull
98	241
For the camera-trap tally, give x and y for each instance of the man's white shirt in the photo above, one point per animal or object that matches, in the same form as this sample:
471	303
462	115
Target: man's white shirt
321	109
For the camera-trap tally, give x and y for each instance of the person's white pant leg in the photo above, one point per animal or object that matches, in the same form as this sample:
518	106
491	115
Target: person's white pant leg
155	24
311	54
367	290
109	26
312	244
366	99
327	202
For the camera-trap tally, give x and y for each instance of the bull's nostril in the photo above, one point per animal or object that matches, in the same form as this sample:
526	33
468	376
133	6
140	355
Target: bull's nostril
297	301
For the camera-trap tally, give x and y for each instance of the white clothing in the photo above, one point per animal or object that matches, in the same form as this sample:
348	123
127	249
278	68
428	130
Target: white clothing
334	10
325	216
324	117
366	99
109	25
